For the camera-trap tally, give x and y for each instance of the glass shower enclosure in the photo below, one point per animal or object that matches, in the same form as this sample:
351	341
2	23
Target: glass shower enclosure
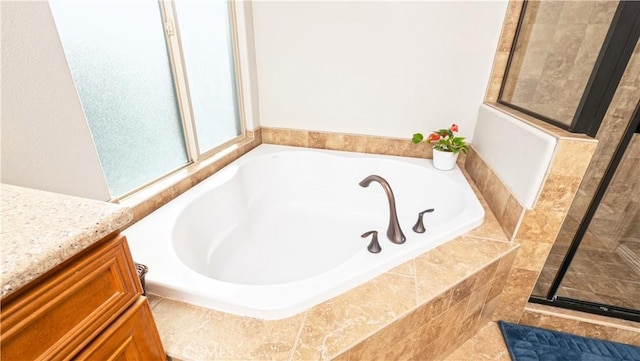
576	64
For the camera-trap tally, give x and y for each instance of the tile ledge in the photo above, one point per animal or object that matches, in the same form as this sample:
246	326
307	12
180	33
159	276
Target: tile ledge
583	317
405	139
150	192
548	128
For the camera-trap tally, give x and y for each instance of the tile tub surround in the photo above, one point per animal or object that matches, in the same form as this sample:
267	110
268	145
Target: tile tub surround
347	142
405	309
534	229
40	230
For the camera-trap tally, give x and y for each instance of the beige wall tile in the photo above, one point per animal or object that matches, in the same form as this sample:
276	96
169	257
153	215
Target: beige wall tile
490	229
486	275
515	295
530	318
407	269
627	336
455	316
502	274
477	300
506	38
342	357
497	195
510	219
334	325
493	90
441	325
487	345
557	323
513	12
571	158
540	226
399	335
346	142
435	271
532	255
245	338
463	289
478	170
355	143
292	137
595	331
335	141
317	140
558	192
436	306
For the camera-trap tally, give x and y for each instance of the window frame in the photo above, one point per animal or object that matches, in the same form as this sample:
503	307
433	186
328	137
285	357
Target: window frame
195	157
176	59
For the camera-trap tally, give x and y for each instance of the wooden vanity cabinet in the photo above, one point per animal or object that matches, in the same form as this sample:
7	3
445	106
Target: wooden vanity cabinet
89	307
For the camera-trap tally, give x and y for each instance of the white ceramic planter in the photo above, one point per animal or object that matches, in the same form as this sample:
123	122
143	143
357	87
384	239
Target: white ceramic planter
444	160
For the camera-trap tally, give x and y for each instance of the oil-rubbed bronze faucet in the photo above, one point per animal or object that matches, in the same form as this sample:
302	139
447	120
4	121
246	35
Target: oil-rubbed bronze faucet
394	233
419	226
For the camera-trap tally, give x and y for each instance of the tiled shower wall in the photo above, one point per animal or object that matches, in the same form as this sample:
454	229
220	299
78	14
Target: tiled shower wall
613	127
558	44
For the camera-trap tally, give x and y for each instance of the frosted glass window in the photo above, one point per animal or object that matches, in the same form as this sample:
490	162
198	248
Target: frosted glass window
207	48
119	62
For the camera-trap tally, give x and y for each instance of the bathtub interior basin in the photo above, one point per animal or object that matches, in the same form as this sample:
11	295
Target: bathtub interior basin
278	230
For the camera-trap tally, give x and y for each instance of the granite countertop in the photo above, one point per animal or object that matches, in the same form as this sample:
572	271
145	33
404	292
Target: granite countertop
40	230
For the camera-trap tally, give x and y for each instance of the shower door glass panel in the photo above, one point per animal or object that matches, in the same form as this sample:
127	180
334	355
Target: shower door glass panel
555	52
118	58
207	46
606	267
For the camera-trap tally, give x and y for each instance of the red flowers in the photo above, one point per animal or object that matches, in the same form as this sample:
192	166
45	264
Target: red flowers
444	140
433	137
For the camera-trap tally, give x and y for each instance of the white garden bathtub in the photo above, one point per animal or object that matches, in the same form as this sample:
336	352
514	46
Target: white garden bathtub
278	230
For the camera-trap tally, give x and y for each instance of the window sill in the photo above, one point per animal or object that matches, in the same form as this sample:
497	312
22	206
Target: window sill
151	197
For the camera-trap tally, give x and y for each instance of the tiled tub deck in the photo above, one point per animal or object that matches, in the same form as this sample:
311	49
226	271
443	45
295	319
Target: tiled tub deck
422	309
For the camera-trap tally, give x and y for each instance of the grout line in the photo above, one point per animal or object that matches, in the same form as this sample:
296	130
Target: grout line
415	281
295	344
518	224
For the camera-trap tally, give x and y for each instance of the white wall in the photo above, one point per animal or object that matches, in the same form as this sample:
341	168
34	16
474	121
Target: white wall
369	67
374	67
46	143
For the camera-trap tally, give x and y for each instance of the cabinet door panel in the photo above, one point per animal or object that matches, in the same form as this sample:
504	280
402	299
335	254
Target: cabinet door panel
132	337
58	316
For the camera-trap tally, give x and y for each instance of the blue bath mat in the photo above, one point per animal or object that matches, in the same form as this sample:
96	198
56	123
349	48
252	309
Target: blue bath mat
536	344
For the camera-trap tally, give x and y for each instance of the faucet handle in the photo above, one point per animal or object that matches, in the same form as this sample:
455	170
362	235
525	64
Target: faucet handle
374	245
419	226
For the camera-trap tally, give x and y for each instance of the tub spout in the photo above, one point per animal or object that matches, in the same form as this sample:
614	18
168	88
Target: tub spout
394	233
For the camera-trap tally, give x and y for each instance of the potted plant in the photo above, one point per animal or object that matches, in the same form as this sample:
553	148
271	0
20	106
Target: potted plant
446	146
